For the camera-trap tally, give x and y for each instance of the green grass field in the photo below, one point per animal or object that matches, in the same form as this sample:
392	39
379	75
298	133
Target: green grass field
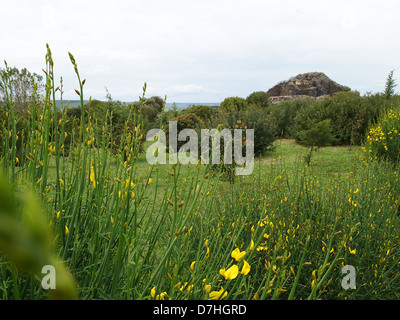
297	224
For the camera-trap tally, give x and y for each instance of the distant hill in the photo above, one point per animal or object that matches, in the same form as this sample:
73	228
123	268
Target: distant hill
70	103
311	84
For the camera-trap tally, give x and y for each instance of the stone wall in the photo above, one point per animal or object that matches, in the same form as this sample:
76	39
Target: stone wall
277	99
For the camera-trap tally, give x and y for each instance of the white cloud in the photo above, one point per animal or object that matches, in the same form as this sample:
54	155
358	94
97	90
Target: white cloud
187	88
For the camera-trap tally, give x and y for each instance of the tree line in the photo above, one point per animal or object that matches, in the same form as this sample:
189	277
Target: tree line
342	119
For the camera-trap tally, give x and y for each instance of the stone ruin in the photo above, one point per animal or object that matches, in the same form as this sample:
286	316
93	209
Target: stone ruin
312	84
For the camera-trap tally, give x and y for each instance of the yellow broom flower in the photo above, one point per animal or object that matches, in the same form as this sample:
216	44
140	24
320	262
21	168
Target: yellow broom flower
92	179
237	254
231	273
251	245
245	269
217	295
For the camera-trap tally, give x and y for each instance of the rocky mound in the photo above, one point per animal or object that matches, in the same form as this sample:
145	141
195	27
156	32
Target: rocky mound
312	84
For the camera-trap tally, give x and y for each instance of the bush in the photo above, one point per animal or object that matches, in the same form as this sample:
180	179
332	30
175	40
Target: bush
350	115
307	118
257	118
232	104
320	135
383	140
205	113
186	121
284	114
259	97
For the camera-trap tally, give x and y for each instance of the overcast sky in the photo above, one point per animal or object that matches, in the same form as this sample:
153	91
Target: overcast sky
202	51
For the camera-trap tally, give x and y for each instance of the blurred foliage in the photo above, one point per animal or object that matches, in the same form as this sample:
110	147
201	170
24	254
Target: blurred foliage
26	241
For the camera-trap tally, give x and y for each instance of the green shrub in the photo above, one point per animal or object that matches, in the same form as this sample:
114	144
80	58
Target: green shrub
257	118
307	118
186	121
206	113
350	115
233	104
383	140
259	97
284	114
320	135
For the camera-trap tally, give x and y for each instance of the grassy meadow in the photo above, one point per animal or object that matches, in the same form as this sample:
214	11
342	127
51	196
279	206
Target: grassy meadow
116	227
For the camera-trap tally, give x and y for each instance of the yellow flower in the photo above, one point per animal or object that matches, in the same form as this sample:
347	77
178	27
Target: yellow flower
188	287
159	296
92	179
192	265
149	181
352	251
245	269
52	150
237	255
208	253
216	295
251	245
207	288
313	283
66	231
231	273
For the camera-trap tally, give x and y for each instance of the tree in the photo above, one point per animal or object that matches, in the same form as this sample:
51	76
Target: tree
174	110
205	113
156	103
186	121
390	85
252	117
233	103
320	135
22	85
260	98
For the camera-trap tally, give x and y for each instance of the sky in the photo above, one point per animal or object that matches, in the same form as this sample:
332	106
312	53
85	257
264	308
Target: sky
202	51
